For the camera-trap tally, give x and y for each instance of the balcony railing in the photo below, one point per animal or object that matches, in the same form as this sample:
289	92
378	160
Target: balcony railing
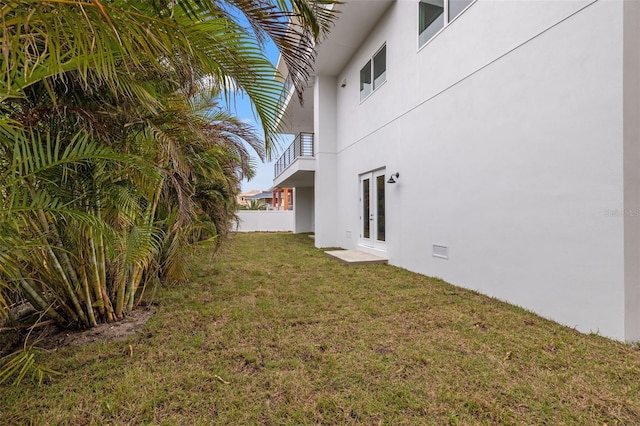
302	146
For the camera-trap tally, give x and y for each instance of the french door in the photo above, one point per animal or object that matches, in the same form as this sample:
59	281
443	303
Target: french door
372	209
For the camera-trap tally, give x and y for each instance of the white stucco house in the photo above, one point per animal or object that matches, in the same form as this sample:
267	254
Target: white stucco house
512	131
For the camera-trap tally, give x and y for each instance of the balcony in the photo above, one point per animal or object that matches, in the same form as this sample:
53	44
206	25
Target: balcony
296	165
302	146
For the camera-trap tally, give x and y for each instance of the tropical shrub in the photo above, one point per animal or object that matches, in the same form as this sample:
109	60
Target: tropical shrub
254	205
114	156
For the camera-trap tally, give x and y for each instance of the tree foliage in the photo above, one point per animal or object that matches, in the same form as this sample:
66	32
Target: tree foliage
115	157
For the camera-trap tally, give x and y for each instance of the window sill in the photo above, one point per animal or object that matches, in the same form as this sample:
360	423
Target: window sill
423	45
372	92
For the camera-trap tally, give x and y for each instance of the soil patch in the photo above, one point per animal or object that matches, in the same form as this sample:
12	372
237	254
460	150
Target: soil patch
120	330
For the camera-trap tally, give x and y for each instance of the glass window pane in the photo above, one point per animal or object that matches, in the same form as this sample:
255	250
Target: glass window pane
366	231
457	6
365	80
380	67
380	228
430	19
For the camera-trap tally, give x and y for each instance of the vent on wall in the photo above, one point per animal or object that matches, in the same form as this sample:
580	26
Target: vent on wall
440	251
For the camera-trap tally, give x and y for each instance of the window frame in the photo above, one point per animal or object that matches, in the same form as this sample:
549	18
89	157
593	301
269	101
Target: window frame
369	82
371	63
447	20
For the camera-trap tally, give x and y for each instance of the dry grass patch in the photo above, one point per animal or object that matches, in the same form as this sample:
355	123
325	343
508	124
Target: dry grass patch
274	332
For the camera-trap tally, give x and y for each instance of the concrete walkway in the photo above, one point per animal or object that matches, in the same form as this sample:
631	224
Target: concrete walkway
355	257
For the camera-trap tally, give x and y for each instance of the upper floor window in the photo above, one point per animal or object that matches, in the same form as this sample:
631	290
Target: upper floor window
374	73
433	15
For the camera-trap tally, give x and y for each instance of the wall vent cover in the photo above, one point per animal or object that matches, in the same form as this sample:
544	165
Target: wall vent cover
441	251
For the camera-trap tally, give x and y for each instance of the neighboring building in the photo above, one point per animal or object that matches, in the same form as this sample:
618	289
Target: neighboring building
514	131
278	199
243	199
263	197
282	199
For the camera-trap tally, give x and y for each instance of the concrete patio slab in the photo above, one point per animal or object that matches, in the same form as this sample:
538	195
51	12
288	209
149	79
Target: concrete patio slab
355	257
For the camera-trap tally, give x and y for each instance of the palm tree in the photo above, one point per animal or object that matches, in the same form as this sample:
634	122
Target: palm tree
255	205
97	43
112	160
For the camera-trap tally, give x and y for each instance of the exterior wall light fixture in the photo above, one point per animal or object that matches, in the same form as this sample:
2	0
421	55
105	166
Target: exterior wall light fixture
391	178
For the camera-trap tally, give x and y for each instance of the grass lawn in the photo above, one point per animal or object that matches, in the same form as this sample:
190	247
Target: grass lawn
273	332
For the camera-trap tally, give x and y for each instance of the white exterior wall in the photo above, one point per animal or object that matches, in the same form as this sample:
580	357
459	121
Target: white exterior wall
507	132
303	210
631	78
325	178
265	220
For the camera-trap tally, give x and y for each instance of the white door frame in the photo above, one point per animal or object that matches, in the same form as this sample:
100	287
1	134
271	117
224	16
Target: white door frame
372	205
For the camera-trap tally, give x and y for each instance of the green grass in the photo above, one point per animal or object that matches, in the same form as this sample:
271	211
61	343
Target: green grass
303	339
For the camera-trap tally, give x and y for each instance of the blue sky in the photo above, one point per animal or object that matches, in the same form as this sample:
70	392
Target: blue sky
241	107
264	171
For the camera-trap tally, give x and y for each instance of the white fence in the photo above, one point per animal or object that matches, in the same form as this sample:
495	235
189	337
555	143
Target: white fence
265	220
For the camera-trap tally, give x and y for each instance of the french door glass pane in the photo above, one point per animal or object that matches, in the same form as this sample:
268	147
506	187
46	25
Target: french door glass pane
380	228
366	231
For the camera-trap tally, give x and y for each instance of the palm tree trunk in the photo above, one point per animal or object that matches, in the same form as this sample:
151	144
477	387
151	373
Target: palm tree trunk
51	255
71	288
70	291
87	301
121	284
84	278
38	302
62	254
136	276
101	262
96	285
111	316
